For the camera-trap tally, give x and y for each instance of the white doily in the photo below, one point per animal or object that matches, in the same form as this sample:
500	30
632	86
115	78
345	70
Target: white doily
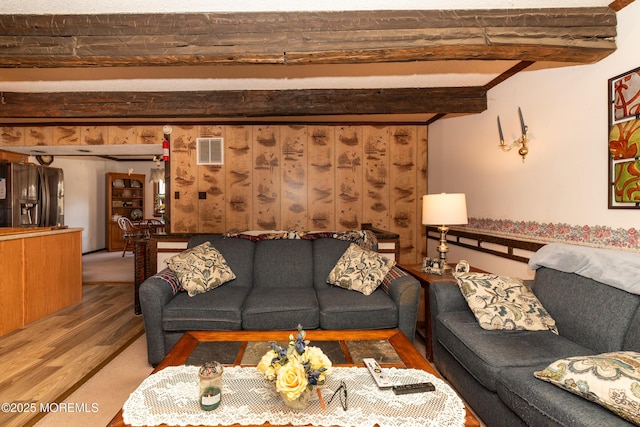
170	397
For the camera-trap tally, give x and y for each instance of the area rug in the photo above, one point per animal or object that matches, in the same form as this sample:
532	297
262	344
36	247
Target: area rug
100	398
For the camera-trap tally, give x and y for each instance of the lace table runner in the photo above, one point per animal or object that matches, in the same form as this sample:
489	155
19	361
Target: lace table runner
170	396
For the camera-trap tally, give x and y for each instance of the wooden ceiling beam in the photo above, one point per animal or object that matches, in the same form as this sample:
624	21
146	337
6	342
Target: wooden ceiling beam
581	35
240	103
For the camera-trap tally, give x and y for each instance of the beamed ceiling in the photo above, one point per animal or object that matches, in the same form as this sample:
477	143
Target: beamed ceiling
394	65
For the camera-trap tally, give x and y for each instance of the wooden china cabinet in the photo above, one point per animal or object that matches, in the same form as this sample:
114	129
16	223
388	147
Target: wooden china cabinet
125	197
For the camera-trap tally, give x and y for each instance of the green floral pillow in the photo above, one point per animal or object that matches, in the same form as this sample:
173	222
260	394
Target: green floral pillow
611	380
501	302
200	269
360	270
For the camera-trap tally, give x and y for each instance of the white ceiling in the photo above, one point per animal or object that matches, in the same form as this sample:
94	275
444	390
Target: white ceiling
145	6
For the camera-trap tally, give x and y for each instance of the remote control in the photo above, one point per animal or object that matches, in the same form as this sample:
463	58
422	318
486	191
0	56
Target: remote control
376	372
413	388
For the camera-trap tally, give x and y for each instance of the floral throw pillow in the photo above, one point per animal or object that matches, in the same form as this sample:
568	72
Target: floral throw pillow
506	303
611	380
360	270
200	269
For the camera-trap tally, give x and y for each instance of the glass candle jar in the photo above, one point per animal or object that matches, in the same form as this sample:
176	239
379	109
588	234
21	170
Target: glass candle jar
210	375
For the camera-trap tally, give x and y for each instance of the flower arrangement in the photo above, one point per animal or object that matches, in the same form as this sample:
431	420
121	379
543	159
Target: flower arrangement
295	368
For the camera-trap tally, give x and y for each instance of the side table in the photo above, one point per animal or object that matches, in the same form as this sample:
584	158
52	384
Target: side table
425	280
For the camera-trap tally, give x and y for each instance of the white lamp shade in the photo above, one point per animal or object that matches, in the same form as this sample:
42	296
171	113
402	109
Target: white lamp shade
444	209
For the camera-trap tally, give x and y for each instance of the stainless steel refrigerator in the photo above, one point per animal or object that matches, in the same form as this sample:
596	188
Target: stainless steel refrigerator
31	196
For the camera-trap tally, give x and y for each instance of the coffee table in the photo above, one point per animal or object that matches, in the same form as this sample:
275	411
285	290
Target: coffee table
344	348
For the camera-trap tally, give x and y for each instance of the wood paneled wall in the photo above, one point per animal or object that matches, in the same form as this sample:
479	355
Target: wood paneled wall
19	136
276	176
303	177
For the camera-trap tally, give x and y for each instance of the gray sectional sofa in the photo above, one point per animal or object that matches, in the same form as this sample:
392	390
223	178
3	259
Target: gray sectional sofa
279	284
493	370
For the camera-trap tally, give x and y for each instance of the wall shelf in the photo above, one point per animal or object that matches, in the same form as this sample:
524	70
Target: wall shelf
504	247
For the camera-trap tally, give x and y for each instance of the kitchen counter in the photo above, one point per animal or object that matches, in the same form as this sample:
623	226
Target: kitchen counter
10	233
41	273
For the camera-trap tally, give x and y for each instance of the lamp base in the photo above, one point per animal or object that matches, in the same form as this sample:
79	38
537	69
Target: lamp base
443	248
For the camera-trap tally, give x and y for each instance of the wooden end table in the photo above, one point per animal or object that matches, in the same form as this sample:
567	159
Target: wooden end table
425	280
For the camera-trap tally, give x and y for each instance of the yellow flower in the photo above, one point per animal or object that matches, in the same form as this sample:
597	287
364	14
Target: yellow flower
318	359
292	379
265	365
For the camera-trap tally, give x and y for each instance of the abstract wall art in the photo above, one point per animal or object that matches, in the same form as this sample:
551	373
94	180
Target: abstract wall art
624	141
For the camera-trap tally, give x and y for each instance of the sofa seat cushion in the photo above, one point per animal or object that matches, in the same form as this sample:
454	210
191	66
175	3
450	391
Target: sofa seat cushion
280	308
540	403
485	353
218	309
344	309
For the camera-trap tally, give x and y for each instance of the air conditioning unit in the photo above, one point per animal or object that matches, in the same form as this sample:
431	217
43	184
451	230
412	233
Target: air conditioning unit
210	151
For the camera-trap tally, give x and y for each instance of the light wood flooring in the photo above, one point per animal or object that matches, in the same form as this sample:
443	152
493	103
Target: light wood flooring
50	358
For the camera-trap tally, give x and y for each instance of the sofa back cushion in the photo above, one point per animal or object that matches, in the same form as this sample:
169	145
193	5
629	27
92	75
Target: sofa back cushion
326	253
238	253
587	312
632	339
283	263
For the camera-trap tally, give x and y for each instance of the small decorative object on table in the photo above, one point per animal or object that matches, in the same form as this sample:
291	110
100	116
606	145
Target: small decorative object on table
295	370
210	375
432	265
462	267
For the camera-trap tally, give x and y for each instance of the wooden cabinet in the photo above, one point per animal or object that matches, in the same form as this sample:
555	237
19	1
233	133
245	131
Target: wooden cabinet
125	197
41	274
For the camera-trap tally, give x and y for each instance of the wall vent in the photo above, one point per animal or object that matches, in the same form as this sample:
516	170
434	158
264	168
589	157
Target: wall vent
210	151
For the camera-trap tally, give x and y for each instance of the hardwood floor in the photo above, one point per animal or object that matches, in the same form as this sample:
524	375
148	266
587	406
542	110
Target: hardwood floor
50	358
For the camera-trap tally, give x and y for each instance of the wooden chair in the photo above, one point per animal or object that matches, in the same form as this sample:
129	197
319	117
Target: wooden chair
129	232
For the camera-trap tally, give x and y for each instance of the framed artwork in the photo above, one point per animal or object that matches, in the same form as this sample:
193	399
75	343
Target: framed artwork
624	141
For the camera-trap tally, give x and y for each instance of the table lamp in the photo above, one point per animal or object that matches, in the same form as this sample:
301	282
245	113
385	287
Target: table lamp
443	210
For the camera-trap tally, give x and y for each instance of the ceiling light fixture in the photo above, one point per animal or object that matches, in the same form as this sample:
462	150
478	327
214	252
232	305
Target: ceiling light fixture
156	174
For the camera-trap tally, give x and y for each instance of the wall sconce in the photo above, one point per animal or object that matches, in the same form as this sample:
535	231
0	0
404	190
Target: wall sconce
521	142
442	210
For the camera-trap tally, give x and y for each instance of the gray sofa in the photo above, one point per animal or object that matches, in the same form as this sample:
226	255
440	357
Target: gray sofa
279	284
493	370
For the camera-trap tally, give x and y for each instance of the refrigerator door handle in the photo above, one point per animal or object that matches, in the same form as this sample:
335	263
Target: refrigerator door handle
44	198
47	198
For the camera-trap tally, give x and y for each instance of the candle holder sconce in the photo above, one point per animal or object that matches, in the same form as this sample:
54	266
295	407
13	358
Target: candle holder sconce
520	142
